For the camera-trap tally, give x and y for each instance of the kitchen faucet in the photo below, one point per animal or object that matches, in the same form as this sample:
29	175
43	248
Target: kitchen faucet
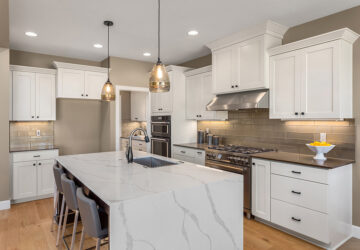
129	152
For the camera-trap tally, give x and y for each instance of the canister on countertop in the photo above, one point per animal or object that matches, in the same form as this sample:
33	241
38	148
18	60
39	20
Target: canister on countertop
210	139
216	140
200	137
207	131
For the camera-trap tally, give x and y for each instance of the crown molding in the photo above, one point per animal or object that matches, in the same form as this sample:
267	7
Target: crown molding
63	65
32	69
199	71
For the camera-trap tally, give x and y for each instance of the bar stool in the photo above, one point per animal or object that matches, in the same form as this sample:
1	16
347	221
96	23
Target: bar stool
90	219
69	189
59	190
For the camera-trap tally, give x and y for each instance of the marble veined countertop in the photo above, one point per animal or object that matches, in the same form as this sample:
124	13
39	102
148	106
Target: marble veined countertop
113	179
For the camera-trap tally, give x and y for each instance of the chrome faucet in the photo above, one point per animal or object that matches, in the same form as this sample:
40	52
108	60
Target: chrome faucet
129	152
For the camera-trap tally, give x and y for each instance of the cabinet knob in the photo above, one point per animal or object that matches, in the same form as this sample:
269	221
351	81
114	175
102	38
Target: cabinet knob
39	163
253	163
34	164
232	86
236	86
87	95
296	113
82	94
302	113
38	117
32	116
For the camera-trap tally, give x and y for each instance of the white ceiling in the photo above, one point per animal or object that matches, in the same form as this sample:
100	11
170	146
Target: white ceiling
71	27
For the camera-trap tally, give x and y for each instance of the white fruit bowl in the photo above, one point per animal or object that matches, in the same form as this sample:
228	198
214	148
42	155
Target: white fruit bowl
320	151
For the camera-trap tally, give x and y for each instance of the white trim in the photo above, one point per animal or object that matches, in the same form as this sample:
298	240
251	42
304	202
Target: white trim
119	88
269	27
5	205
63	65
177	68
345	34
32	69
356	232
198	71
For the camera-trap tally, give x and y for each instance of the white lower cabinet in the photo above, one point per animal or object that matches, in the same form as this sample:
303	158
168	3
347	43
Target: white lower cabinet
312	202
32	174
192	155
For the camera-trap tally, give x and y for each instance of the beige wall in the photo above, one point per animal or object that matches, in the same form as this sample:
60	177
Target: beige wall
198	62
4	125
4	23
43	61
351	19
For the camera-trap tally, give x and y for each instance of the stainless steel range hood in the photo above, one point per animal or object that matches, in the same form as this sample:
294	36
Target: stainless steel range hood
241	100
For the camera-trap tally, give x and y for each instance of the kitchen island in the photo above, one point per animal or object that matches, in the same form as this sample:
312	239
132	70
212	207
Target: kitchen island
182	206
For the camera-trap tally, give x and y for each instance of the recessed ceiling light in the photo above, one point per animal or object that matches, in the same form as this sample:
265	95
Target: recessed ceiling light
31	34
147	54
193	33
98	45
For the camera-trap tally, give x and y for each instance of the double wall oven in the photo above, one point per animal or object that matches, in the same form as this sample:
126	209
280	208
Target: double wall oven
161	135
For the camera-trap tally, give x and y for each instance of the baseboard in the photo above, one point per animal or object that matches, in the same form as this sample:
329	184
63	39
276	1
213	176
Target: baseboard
4	205
356	232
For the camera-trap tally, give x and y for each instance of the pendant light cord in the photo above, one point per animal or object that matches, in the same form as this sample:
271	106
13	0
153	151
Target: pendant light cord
158	32
108	53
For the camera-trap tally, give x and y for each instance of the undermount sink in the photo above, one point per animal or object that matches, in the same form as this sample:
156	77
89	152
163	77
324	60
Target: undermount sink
151	162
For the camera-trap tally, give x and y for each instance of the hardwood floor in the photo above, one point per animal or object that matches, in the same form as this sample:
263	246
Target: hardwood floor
27	226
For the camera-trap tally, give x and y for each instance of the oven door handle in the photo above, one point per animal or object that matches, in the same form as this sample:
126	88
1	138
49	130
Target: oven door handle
225	167
159	139
160	122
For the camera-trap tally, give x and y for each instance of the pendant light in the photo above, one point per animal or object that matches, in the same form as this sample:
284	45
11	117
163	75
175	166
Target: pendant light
159	78
108	90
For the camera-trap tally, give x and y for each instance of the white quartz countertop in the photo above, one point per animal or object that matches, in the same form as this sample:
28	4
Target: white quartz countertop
113	180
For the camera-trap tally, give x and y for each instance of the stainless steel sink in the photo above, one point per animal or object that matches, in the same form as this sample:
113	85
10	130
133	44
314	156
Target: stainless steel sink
151	162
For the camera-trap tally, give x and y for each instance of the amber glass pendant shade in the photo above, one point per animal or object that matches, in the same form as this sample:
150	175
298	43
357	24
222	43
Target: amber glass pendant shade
108	92
159	79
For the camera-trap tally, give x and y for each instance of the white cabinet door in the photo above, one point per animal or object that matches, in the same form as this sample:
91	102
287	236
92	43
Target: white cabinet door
24	180
94	81
166	100
155	107
45	177
138	106
23	96
45	97
223	65
71	83
260	189
250	65
199	157
194	96
284	86
320	81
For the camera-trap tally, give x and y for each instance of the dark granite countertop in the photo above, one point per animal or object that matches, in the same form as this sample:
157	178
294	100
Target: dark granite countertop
303	159
193	145
37	148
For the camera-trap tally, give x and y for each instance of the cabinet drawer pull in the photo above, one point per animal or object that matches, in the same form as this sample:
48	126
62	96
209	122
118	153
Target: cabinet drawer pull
296	219
36	156
295	192
295	172
199	153
183	152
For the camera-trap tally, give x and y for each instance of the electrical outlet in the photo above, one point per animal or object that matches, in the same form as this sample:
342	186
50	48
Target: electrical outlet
38	132
322	137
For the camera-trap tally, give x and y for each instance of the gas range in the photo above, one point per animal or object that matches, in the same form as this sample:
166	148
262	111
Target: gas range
236	159
233	154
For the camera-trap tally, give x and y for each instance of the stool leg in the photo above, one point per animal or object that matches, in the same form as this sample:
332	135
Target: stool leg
74	229
65	221
82	239
98	241
54	213
61	217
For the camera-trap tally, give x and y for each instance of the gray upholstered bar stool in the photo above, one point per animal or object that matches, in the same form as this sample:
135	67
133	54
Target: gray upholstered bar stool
90	219
69	189
57	175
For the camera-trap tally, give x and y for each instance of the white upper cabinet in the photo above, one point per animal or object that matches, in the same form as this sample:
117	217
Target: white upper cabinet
79	81
138	106
240	61
312	78
199	94
33	94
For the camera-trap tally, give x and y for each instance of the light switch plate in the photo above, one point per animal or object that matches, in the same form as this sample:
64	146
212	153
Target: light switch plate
38	132
322	137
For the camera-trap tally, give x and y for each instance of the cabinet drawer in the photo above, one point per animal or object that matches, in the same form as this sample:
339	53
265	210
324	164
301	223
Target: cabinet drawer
200	157
34	155
307	194
300	172
183	158
304	221
184	151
